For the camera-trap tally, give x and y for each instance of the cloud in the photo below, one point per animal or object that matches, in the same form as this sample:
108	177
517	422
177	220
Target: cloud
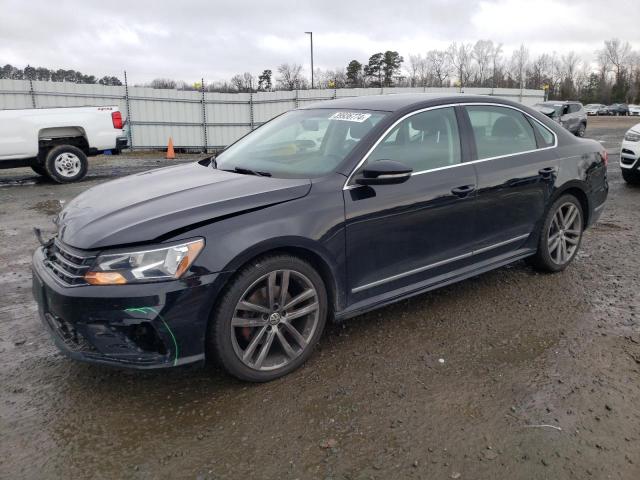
217	39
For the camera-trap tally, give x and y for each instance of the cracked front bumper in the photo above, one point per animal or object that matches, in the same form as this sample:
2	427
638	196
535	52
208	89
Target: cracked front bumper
154	325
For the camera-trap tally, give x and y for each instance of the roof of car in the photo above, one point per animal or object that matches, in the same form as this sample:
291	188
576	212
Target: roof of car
559	102
399	101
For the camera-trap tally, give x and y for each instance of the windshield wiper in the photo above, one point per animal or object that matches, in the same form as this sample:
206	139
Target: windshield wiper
246	171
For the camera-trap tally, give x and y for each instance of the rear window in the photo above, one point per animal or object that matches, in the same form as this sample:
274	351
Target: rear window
500	131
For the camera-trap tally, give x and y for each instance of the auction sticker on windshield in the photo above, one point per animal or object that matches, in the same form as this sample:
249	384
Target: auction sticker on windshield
350	116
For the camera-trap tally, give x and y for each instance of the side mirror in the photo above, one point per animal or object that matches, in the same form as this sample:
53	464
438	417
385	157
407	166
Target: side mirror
384	172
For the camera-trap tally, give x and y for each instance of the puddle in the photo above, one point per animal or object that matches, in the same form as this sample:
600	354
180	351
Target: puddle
49	207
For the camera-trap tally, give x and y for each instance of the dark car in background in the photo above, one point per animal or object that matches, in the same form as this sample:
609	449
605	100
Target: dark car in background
618	109
244	257
571	115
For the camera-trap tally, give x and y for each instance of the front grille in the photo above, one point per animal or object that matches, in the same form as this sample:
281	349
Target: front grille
67	265
627	161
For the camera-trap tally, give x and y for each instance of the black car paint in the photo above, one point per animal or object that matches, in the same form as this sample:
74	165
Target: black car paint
404	239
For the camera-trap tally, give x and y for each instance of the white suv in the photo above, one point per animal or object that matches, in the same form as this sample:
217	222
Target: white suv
630	156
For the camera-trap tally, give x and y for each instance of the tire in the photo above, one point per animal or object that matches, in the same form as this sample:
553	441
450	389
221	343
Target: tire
548	258
581	129
632	177
243	323
40	170
66	164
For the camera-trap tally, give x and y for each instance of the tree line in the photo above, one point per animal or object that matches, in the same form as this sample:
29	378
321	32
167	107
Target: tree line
612	74
50	75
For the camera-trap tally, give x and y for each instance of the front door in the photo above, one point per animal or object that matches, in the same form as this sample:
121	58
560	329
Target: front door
399	235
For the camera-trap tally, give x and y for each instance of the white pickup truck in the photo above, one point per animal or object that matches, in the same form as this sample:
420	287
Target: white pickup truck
55	142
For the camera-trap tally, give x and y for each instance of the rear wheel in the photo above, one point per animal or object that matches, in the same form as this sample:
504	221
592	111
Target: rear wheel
632	177
561	235
269	319
66	163
581	129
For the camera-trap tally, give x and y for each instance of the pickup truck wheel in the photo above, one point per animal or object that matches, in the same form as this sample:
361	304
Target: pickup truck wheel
66	163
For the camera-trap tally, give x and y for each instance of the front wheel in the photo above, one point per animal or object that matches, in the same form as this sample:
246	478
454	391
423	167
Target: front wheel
561	235
581	130
66	163
269	319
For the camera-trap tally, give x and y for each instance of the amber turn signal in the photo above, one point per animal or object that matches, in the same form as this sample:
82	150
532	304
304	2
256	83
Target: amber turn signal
105	278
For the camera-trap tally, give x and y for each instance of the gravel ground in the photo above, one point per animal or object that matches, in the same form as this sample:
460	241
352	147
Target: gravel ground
512	374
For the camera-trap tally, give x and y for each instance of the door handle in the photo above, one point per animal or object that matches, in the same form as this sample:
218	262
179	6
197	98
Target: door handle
547	171
463	190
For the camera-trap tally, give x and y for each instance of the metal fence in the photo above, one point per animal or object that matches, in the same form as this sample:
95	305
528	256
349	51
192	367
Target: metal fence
197	119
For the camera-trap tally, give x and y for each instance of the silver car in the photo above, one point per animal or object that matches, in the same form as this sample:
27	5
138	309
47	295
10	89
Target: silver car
571	115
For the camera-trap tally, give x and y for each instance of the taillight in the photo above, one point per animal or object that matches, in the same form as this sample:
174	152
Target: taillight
605	157
116	118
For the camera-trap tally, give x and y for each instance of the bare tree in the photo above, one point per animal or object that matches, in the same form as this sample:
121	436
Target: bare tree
439	63
519	61
481	53
290	76
415	63
243	83
496	59
618	55
460	57
163	83
538	72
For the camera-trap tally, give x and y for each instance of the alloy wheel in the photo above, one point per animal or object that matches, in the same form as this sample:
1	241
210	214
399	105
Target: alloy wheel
275	319
67	164
564	234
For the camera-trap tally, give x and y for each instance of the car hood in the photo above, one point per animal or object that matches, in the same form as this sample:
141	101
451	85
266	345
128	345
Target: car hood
149	205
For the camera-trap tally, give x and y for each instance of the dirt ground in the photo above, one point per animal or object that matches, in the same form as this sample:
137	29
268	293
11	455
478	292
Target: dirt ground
510	375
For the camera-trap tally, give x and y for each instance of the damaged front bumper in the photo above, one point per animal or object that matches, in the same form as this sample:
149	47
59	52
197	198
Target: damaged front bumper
153	325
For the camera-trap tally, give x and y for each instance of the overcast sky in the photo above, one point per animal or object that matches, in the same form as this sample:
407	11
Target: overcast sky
215	39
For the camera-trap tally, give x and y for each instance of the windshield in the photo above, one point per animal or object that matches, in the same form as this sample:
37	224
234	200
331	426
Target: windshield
300	143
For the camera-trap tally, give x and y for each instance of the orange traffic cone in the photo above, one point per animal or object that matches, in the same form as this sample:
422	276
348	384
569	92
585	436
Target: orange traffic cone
171	155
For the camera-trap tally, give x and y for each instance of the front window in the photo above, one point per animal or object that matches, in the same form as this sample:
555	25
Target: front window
300	143
424	141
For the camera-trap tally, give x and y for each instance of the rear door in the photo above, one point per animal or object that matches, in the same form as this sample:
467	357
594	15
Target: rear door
516	166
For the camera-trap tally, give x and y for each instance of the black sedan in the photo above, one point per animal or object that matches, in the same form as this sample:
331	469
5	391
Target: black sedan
321	214
617	109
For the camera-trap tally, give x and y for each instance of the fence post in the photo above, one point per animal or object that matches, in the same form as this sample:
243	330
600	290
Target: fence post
126	100
32	92
251	117
204	117
296	99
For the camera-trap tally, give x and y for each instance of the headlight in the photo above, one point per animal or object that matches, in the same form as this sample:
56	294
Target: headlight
632	137
151	265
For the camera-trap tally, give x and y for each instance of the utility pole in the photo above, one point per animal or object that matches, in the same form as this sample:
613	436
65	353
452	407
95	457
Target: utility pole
311	37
